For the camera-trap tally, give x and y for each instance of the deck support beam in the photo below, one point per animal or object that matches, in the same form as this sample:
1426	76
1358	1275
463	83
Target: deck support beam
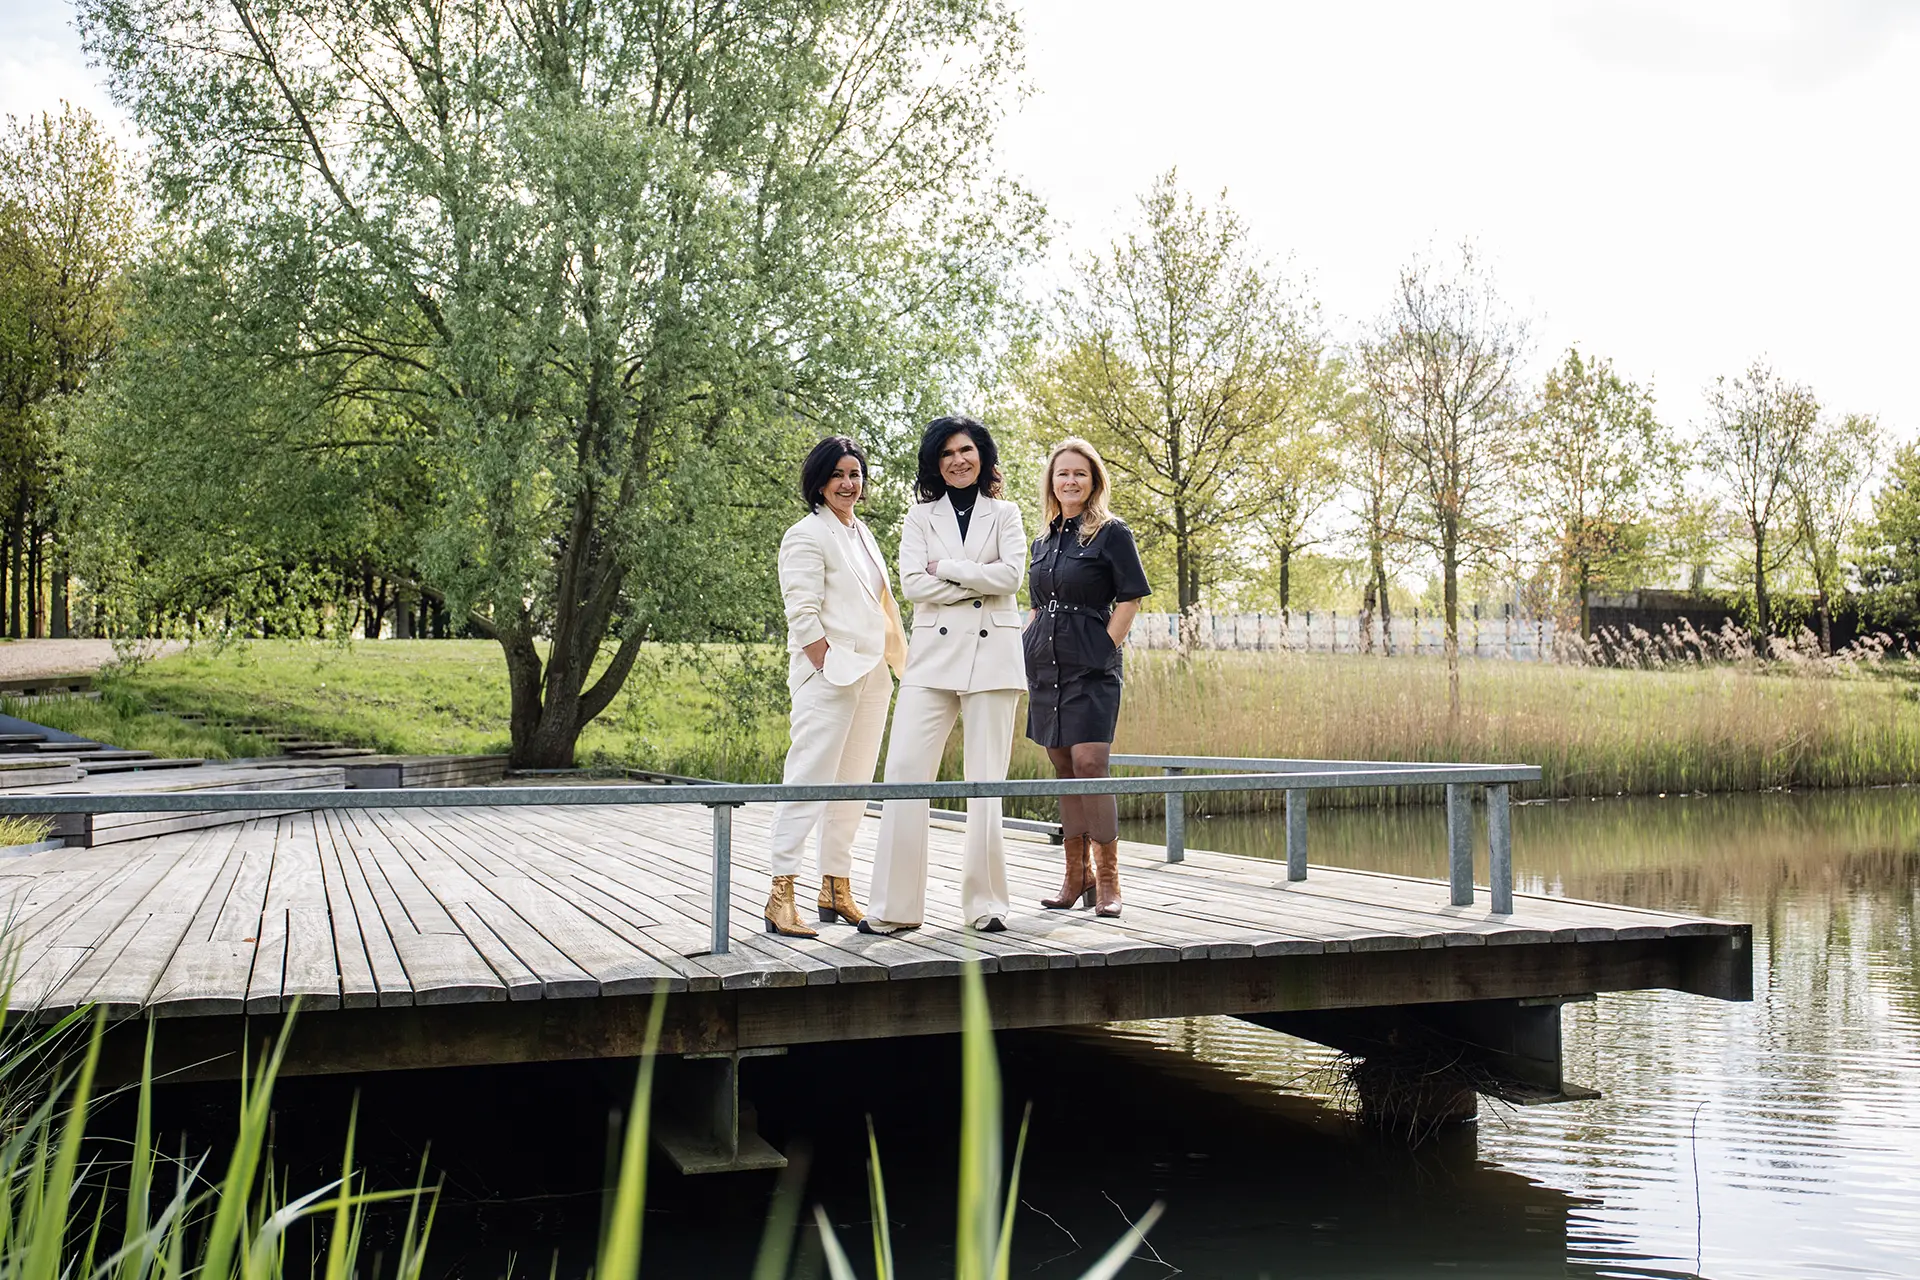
702	1125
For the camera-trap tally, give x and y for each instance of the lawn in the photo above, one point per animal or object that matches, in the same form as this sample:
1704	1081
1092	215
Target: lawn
721	712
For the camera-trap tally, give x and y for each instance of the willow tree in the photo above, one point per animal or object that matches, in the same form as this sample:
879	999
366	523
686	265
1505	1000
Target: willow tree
591	263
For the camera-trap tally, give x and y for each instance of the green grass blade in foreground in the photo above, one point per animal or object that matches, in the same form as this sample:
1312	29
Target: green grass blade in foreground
783	1215
976	1247
1003	1258
877	1204
47	1231
620	1247
837	1265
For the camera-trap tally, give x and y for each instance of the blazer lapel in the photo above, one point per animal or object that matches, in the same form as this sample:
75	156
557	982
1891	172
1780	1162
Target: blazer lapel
872	549
835	533
947	525
980	528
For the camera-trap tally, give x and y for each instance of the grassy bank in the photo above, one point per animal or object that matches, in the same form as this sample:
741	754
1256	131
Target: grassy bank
719	713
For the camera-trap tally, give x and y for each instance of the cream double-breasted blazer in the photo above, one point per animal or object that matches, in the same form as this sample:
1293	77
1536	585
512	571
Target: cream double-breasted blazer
827	593
966	620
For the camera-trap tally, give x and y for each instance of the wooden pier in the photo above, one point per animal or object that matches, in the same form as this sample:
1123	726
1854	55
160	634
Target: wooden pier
454	936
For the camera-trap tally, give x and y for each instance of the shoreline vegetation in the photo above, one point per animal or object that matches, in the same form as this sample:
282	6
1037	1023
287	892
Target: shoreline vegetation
720	712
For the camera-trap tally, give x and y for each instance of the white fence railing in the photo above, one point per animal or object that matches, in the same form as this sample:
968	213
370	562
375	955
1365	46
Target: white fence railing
1518	639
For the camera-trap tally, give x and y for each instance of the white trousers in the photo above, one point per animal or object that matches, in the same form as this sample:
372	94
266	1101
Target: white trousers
836	733
922	720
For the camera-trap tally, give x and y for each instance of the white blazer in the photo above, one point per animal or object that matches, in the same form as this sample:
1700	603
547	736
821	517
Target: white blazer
828	594
966	621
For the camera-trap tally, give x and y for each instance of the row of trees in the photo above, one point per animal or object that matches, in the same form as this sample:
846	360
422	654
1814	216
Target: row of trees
1246	435
67	226
512	320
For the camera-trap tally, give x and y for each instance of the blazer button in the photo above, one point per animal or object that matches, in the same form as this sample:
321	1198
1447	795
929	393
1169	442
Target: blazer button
983	635
943	631
976	604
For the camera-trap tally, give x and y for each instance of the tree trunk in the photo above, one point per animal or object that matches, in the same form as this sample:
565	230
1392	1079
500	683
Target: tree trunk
1586	602
1286	576
1450	595
16	561
62	623
1386	600
36	607
1763	621
1825	607
1367	599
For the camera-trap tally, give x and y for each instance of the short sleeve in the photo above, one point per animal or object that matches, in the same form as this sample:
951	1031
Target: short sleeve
1123	558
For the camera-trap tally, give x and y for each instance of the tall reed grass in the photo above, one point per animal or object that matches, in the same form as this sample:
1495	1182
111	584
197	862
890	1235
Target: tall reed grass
238	1223
1593	731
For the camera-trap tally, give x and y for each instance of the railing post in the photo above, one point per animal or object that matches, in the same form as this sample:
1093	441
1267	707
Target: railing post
722	877
1176	820
1460	842
1500	848
1296	834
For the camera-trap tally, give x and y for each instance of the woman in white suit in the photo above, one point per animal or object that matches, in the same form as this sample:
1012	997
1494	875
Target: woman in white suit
843	636
963	552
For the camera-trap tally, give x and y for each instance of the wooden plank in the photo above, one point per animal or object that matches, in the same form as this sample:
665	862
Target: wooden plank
521	982
389	975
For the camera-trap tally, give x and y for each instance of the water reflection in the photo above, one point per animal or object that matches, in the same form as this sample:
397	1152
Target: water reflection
1774	1139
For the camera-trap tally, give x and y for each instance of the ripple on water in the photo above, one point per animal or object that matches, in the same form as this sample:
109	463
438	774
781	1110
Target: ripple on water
1776	1139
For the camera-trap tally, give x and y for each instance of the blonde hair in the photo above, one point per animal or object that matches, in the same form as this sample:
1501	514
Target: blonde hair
1095	513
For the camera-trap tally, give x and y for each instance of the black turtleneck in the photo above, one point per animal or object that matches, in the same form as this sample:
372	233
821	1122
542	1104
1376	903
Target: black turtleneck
963	500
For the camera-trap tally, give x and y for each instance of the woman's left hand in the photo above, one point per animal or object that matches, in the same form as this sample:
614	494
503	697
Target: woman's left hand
933	568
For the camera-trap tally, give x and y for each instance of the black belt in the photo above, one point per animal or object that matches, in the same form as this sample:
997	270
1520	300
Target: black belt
1061	606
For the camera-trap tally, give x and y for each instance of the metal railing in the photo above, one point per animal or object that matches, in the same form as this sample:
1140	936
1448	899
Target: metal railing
1459	780
1300	776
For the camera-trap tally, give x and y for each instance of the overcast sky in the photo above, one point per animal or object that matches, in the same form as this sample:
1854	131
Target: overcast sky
1680	186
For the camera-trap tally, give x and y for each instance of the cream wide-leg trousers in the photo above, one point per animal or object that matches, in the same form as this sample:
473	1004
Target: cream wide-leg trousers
836	731
922	719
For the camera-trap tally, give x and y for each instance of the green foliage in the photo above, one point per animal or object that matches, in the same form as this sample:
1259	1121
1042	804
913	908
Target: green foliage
1757	429
231	1227
567	289
122	718
1191	366
1591	464
1889	563
16	831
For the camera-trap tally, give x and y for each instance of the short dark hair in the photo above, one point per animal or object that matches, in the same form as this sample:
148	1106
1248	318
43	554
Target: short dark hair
818	469
929	484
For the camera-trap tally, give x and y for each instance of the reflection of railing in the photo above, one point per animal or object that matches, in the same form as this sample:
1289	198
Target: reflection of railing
1296	777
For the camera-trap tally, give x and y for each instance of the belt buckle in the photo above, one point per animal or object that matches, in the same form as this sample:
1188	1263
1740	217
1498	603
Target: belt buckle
1053	606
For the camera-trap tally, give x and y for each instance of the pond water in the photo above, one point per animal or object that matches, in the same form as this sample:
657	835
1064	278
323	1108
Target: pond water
1779	1138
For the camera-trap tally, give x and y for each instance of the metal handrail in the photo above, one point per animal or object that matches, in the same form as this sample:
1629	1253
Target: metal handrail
1304	776
723	797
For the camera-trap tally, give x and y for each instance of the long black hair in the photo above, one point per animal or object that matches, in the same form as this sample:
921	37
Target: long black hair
817	470
929	484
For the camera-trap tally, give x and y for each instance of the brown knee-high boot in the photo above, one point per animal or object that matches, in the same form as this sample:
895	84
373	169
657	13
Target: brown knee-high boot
1077	888
1106	876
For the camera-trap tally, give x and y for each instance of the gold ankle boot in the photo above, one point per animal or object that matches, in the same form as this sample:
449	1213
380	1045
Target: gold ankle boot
781	915
836	901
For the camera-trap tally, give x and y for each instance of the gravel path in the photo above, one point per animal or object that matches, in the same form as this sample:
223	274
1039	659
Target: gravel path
29	659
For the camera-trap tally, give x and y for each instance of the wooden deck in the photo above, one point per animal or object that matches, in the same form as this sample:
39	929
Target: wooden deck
424	937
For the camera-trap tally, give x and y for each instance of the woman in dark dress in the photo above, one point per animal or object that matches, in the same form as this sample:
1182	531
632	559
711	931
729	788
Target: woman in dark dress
1085	584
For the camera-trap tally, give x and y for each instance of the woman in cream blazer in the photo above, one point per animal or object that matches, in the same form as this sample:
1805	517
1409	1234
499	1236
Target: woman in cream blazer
963	552
843	636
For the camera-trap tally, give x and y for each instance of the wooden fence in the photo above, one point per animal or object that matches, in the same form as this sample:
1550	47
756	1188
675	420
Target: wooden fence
1331	631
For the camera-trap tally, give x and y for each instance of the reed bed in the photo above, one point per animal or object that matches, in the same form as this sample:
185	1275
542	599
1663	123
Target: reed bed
721	713
1593	731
